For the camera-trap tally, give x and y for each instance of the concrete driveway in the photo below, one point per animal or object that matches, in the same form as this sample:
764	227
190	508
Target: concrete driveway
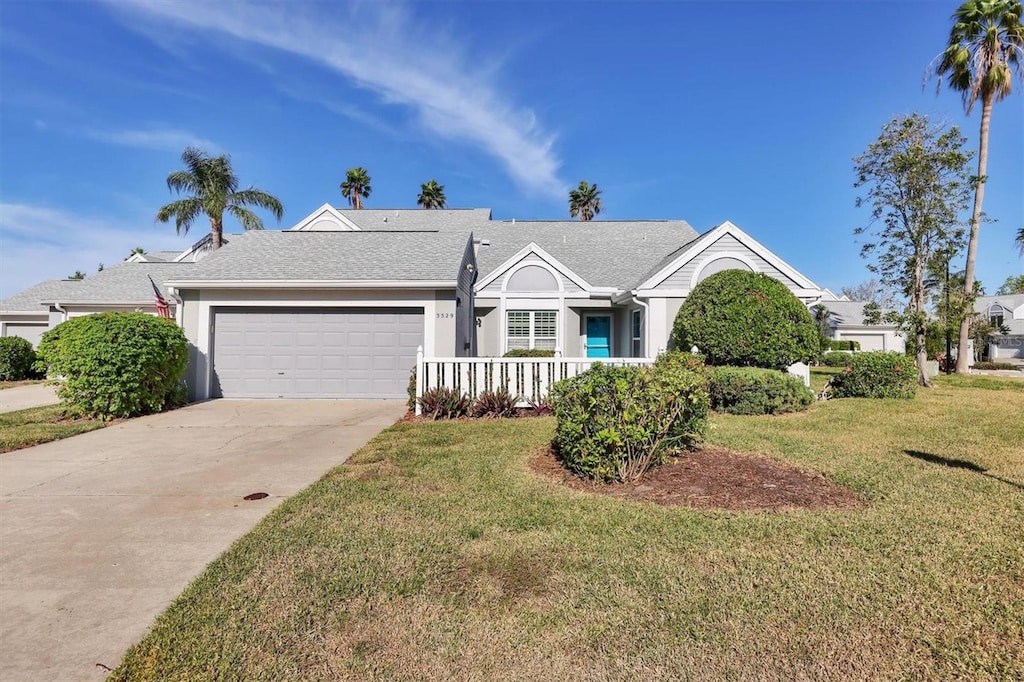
23	397
100	532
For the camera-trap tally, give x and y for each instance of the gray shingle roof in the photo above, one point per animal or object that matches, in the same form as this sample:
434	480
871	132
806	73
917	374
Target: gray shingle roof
445	219
333	256
31	299
604	253
125	283
161	256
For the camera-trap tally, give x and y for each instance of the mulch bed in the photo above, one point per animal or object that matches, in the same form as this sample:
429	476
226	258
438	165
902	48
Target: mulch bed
715	478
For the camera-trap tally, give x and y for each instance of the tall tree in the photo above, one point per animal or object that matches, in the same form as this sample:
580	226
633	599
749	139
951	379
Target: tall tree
585	201
356	186
870	291
212	187
985	49
78	275
915	180
822	318
1020	240
432	195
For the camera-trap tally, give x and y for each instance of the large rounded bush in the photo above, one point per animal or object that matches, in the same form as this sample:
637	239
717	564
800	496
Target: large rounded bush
16	359
117	364
746	319
751	390
615	423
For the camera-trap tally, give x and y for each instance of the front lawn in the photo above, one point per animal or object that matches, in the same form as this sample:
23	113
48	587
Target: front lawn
438	554
37	425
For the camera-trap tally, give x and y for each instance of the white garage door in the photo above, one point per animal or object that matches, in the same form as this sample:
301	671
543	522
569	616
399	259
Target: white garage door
314	353
867	341
31	332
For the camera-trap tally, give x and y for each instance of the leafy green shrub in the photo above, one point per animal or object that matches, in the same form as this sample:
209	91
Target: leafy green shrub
875	375
746	319
615	423
494	404
835	359
17	359
751	390
444	403
995	365
529	353
117	364
841	344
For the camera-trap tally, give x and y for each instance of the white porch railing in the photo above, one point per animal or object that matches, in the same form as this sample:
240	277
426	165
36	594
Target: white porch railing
527	378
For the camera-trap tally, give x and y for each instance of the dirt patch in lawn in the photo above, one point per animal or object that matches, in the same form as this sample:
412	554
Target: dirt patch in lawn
715	478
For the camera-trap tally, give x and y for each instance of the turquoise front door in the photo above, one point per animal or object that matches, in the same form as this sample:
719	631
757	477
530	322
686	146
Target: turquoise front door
599	334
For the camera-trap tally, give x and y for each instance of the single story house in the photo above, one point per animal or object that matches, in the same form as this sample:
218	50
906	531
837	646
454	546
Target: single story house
337	305
1006	312
847	324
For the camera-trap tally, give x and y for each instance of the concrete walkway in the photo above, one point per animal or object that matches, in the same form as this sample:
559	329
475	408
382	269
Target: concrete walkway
24	397
100	532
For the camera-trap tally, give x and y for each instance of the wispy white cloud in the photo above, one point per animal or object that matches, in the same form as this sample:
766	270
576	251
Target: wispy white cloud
380	47
42	242
158	139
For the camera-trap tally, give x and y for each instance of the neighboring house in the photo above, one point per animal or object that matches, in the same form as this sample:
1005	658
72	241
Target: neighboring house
338	305
1004	312
25	314
847	324
124	286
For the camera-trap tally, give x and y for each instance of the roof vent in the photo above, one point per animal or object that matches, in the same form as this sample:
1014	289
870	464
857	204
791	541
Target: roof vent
513	221
385	218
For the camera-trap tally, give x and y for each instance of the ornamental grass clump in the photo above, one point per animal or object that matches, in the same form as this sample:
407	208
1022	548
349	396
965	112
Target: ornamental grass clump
116	365
875	375
616	423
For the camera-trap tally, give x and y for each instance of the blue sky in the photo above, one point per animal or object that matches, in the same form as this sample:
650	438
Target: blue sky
746	111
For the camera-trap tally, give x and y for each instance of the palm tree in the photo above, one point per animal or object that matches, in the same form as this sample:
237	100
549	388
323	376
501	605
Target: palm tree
986	47
213	189
432	195
1020	240
585	201
356	186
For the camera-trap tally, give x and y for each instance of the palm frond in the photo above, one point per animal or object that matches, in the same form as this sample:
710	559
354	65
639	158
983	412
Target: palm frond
248	219
259	199
184	212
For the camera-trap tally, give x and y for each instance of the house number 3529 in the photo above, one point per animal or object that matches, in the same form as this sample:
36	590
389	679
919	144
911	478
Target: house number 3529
445	316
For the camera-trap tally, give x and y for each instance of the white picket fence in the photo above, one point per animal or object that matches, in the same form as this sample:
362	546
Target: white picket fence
527	378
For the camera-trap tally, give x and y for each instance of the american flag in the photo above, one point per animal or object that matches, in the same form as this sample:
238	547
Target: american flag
162	309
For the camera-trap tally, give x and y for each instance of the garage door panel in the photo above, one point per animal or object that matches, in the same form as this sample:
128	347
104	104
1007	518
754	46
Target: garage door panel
361	353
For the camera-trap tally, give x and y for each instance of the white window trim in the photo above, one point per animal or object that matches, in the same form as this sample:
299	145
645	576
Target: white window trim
735	255
532	342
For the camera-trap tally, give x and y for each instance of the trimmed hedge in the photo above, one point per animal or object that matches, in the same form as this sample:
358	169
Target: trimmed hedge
875	375
746	319
17	359
841	344
751	390
117	364
995	365
529	353
616	423
835	359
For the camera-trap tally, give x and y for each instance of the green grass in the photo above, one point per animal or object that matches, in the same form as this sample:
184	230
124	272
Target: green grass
437	554
37	425
821	375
